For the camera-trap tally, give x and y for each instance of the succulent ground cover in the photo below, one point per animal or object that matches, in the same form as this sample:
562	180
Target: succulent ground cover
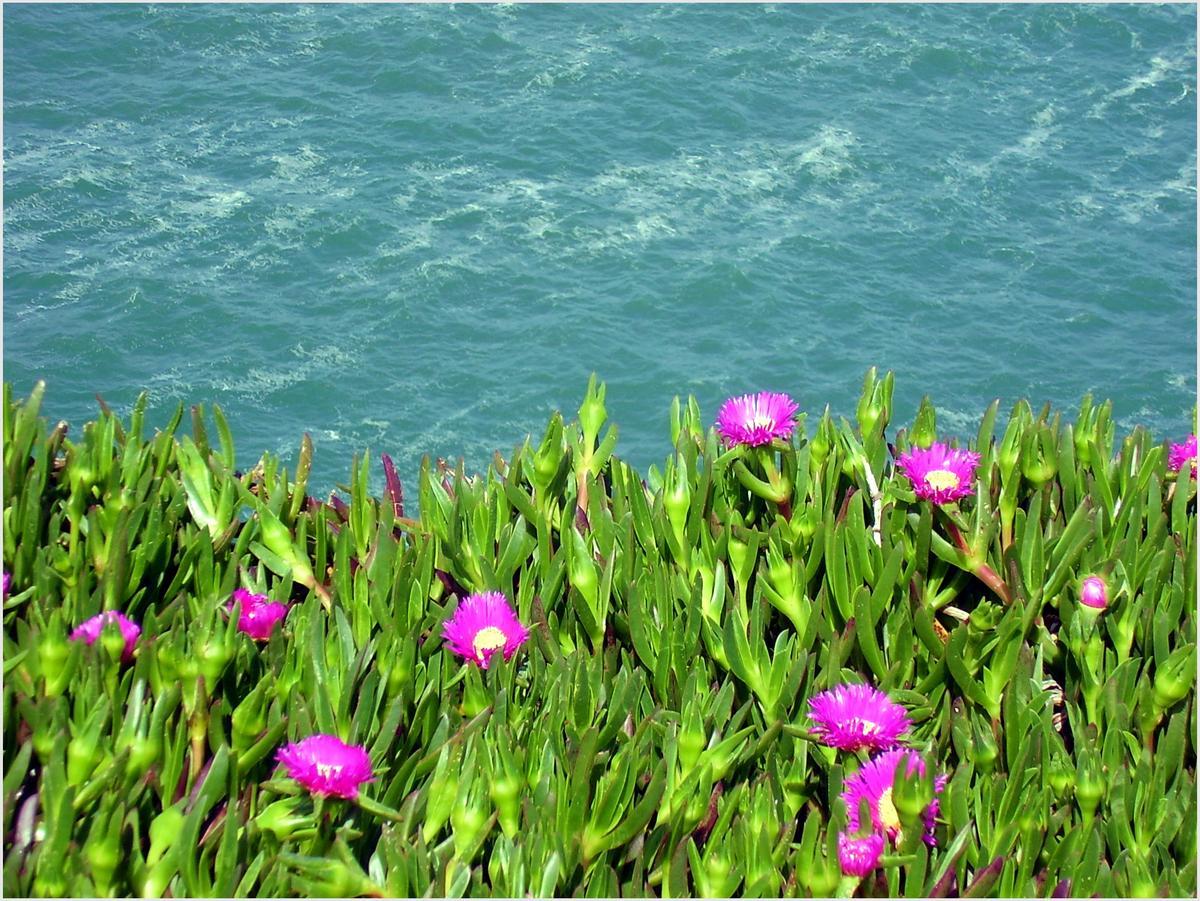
802	658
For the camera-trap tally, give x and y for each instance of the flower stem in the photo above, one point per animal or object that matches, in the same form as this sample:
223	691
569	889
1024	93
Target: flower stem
982	571
847	886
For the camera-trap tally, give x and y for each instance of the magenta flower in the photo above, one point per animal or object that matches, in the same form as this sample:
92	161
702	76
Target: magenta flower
1094	593
757	419
859	856
482	625
1182	453
939	473
874	782
90	630
7	579
326	765
259	614
850	717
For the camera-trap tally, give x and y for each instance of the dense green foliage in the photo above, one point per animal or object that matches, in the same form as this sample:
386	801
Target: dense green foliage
651	738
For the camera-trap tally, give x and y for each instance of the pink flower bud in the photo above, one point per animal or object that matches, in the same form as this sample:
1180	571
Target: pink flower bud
90	630
259	614
859	856
1094	593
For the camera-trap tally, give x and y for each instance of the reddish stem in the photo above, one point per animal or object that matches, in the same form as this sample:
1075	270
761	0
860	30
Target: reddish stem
982	571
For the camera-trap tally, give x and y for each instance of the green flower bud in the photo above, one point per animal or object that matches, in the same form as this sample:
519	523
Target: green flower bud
83	756
1061	777
164	831
1008	454
691	740
983	747
214	656
716	877
1089	786
1039	462
822	441
583	570
506	793
334	877
475	694
1141	884
874	403
806	523
443	790
53	651
676	499
1176	678
549	453
103	848
281	820
403	665
912	795
924	430
738	551
592	413
822	880
143	752
249	718
779	571
468	822
113	642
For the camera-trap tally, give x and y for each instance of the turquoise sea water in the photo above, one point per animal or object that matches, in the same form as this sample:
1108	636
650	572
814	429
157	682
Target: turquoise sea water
418	228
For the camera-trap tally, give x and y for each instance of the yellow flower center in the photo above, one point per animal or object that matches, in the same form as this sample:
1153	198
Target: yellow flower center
490	638
325	770
939	479
867	727
761	421
889	817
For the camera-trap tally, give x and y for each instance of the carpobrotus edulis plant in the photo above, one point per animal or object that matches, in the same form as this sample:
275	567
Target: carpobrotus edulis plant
703	659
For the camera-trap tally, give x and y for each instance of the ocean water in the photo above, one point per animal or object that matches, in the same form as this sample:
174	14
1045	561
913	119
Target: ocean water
417	229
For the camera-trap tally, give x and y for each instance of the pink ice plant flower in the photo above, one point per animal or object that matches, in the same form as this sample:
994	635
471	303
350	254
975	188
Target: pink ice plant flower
874	782
757	419
259	613
326	765
1094	593
851	717
90	630
1180	454
482	625
7	579
859	856
939	473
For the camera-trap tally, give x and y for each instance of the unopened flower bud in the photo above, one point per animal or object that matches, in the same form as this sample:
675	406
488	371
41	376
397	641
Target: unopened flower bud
1061	777
52	652
859	856
281	819
213	658
592	413
1093	593
1175	679
1089	786
924	430
822	441
505	792
677	498
117	632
